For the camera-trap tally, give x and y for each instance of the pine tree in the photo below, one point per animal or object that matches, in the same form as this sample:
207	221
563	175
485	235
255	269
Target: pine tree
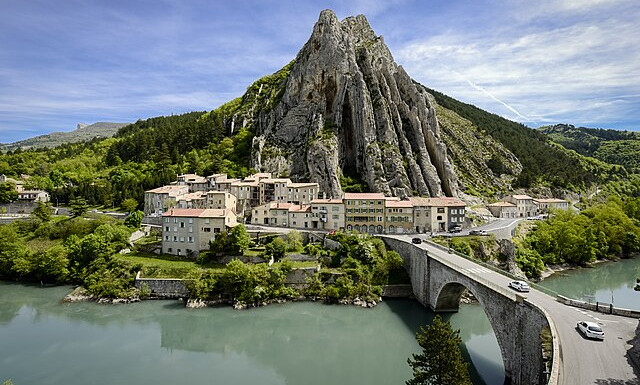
440	362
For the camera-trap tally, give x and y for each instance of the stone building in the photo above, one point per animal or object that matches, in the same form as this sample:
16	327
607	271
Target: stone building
157	200
328	214
544	205
503	210
525	207
399	216
364	212
187	231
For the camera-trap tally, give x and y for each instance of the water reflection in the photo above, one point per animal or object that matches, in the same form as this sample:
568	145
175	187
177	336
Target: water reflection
47	342
606	280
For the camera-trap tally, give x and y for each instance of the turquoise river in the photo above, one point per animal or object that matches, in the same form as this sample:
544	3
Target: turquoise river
44	341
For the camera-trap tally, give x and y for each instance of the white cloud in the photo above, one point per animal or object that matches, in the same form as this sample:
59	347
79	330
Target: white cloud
532	75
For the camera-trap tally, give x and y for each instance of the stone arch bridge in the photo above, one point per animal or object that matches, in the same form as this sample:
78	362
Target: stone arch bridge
438	284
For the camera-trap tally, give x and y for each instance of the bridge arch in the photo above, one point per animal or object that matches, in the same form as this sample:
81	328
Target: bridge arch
437	283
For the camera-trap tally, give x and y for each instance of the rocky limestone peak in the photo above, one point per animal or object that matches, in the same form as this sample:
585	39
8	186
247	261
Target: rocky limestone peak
348	109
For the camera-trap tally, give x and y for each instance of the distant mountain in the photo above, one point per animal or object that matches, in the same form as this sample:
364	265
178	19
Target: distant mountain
83	132
611	146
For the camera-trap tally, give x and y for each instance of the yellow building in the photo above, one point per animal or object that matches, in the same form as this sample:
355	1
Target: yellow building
364	212
399	216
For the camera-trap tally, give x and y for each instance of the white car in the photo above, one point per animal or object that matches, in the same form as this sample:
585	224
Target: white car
591	330
520	286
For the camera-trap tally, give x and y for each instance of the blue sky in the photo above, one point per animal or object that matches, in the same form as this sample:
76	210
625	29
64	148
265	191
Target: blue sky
537	62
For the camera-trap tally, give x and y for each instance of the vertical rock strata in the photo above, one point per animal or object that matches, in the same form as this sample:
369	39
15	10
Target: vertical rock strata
348	108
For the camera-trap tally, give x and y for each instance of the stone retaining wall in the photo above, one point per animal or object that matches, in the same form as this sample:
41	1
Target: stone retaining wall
397	291
163	288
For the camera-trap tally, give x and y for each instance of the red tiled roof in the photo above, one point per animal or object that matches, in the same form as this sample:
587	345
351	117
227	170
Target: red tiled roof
356	196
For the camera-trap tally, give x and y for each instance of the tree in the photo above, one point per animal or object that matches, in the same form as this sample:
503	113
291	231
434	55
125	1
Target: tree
129	204
239	239
134	220
79	206
294	241
42	212
440	362
276	249
8	192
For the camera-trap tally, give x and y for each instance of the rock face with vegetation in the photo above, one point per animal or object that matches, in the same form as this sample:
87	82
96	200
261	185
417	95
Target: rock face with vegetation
349	109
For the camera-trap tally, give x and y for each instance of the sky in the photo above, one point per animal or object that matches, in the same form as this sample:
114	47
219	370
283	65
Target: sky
536	62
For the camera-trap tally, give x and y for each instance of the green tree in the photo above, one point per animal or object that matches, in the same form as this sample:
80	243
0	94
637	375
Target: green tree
440	362
277	249
8	192
79	206
219	243
134	220
239	239
129	205
42	211
294	241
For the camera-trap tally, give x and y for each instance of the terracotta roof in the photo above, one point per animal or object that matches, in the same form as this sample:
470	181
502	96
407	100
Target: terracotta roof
521	197
328	201
300	208
399	203
363	196
172	190
275	180
502	204
437	201
550	200
303	184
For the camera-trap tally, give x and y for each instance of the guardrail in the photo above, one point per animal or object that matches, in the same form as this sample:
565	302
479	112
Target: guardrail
492	267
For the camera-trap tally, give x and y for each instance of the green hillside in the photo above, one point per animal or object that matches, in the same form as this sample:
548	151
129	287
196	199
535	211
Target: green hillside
543	162
611	146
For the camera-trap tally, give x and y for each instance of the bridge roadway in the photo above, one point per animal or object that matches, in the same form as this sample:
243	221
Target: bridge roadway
582	361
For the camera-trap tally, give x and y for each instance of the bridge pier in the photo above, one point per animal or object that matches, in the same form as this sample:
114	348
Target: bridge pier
517	324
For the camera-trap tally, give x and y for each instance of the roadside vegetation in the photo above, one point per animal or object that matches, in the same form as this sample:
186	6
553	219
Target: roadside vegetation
59	250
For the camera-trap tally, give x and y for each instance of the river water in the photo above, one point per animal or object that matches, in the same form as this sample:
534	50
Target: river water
43	341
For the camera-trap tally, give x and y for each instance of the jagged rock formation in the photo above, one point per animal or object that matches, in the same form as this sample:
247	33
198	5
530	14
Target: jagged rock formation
347	107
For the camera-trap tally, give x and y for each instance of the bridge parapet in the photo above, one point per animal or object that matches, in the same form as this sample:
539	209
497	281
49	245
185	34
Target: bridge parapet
438	284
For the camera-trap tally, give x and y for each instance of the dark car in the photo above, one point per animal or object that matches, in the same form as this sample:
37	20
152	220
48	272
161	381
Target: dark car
416	240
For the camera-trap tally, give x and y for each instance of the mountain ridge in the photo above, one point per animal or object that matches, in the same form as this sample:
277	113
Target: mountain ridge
83	132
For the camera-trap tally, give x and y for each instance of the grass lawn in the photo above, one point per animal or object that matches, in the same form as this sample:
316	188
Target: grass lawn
164	266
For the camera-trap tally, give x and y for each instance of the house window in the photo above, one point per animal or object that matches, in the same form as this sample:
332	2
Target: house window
175	228
182	224
207	229
190	239
440	210
166	238
216	230
166	228
191	229
181	239
169	250
175	238
190	220
206	221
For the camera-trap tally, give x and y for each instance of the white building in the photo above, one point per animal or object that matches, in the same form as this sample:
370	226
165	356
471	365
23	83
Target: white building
187	231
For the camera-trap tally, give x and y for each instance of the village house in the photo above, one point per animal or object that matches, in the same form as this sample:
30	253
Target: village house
187	231
271	213
194	200
33	196
302	193
300	216
364	212
547	204
195	182
437	214
328	214
274	190
19	184
525	207
157	200
247	195
399	218
503	210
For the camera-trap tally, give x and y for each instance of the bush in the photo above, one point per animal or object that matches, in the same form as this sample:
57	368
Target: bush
276	249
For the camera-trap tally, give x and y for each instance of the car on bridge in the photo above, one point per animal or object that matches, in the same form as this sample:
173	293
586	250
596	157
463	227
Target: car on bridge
416	240
521	286
591	330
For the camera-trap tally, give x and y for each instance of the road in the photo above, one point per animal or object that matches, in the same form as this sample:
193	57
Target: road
502	228
583	362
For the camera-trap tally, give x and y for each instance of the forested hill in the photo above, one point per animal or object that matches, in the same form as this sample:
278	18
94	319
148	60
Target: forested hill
611	146
543	162
83	132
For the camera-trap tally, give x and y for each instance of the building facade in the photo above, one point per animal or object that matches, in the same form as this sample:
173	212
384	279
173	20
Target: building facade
157	200
544	205
525	207
399	216
187	231
364	212
328	214
503	210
